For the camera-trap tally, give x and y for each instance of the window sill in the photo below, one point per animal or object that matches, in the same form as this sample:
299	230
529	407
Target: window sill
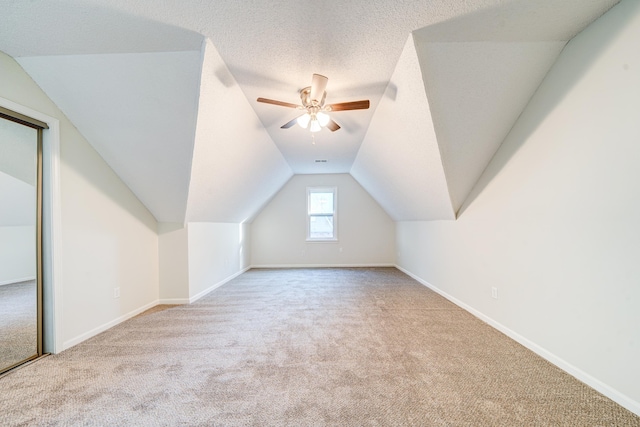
322	240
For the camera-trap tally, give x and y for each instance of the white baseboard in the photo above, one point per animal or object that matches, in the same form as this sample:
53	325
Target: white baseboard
217	285
95	331
611	393
321	265
173	301
170	301
12	281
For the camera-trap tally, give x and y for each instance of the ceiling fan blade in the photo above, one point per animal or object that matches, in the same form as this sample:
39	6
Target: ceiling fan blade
318	86
289	124
280	103
332	126
354	105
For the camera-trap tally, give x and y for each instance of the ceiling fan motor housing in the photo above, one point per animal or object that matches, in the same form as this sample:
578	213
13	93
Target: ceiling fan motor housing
307	102
313	98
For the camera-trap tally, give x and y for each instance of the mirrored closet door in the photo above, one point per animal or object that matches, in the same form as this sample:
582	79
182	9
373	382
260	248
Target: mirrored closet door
20	239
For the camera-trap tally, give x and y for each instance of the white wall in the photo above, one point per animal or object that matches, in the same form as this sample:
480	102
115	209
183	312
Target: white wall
366	234
553	222
199	257
17	254
216	255
245	248
174	263
108	237
17	222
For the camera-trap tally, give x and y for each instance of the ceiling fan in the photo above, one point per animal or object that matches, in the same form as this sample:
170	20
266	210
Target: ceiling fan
315	115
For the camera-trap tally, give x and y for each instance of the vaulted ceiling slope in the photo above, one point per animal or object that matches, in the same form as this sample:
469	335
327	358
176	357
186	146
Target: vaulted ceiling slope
477	73
399	162
236	167
137	110
166	91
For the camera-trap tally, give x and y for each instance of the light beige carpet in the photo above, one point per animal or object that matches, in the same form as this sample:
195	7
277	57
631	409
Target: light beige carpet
341	347
18	323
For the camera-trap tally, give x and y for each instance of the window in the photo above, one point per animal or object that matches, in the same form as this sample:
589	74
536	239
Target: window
321	213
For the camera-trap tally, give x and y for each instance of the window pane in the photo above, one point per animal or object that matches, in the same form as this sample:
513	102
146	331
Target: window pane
321	227
321	203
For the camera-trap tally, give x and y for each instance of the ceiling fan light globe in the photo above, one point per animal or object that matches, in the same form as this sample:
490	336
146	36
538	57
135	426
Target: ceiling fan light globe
303	121
323	118
315	126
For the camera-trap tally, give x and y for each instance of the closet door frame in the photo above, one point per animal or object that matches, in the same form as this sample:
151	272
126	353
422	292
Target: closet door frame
53	340
39	127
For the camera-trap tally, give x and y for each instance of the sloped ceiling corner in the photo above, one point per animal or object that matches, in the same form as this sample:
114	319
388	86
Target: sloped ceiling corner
480	70
399	160
236	167
137	110
422	156
477	91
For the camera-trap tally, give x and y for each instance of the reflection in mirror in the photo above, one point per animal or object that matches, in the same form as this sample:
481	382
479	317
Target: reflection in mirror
18	262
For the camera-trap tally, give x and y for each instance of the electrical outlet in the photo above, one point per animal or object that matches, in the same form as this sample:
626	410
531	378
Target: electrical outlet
116	292
494	292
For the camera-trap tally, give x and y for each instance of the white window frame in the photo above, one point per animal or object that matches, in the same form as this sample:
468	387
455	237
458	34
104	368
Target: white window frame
333	190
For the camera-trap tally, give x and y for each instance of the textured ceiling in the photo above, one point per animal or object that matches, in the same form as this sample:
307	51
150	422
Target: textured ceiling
166	91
